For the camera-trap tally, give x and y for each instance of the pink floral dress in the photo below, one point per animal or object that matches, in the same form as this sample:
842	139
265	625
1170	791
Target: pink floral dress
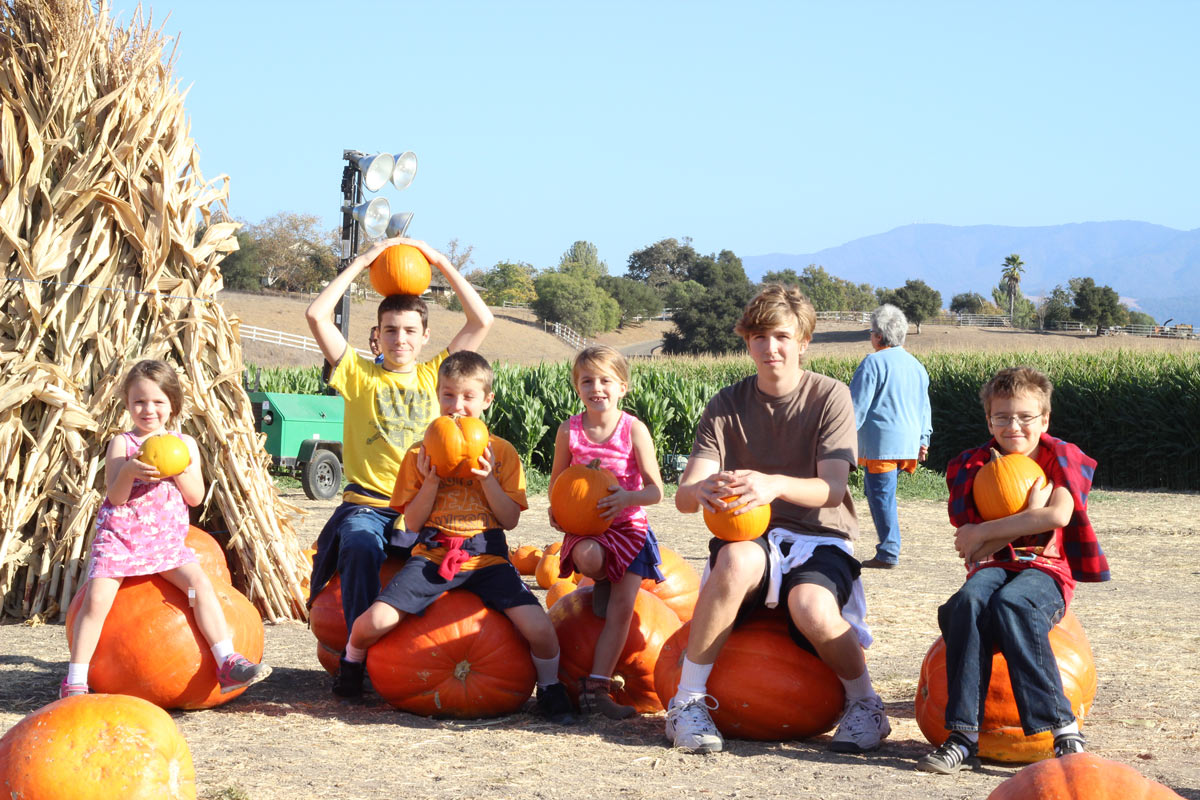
145	535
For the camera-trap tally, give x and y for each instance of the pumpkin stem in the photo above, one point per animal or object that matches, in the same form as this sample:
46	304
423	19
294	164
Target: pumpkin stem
462	669
594	464
995	455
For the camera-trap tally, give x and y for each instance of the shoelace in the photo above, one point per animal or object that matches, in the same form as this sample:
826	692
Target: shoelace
691	711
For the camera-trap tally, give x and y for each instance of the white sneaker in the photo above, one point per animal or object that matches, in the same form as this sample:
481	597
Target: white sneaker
862	727
691	728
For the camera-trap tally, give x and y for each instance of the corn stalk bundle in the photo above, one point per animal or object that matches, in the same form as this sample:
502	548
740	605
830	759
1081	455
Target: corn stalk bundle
101	203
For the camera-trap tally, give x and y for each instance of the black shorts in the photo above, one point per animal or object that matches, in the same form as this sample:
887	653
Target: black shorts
830	567
414	588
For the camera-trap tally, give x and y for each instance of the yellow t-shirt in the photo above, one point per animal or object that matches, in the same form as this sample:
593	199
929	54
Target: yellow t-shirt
460	507
386	412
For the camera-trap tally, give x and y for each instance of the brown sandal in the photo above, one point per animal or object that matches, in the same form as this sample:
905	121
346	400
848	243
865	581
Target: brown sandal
594	697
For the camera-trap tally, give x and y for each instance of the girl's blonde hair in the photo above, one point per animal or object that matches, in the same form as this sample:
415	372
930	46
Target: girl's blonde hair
160	373
601	358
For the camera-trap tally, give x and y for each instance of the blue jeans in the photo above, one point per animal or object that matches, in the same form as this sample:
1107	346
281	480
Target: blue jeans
353	544
880	489
1014	612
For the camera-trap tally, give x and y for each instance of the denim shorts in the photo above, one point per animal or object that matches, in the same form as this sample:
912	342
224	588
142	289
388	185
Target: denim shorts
414	588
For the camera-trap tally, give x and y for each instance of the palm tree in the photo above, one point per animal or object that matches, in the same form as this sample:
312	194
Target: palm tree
1011	276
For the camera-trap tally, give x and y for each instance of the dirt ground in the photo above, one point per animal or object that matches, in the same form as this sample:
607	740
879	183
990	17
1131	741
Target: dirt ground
290	739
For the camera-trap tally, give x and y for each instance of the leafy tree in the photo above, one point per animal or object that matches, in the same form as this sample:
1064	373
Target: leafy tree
294	253
680	293
918	300
826	292
967	303
583	260
506	282
1010	279
1140	318
635	298
574	301
705	323
242	270
1054	308
1022	311
1097	305
662	263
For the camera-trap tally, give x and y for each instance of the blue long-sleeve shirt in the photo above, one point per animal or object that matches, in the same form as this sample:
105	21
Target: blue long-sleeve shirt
890	390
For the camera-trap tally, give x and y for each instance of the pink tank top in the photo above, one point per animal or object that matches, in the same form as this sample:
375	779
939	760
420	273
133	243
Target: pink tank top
617	456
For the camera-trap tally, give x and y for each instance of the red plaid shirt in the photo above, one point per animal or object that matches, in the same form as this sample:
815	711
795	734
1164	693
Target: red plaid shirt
1065	465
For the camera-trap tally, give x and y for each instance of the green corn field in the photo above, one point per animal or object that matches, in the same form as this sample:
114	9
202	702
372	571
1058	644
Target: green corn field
1137	414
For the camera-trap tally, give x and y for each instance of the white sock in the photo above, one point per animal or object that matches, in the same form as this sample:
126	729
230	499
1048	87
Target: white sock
858	688
222	650
77	673
354	654
547	670
596	677
1072	728
693	681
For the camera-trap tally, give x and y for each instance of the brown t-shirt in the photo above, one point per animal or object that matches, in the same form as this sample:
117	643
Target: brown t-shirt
743	428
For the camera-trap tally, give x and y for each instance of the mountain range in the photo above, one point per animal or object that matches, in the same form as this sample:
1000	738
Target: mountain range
1153	268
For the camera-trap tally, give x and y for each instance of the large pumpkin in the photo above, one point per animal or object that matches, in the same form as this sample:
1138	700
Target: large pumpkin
731	527
96	747
1001	737
1001	487
574	495
460	659
400	269
209	554
633	679
766	686
150	646
1081	776
327	621
454	445
680	587
166	452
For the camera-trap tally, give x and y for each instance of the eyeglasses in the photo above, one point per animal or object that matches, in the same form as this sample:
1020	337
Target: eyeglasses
1004	420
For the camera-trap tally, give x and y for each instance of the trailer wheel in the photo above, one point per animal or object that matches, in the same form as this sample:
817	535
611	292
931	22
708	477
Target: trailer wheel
321	476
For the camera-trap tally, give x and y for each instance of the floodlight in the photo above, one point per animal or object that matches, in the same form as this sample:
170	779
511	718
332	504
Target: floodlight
376	170
398	224
405	169
373	215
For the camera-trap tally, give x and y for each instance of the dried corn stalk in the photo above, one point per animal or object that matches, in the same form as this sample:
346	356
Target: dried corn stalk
101	200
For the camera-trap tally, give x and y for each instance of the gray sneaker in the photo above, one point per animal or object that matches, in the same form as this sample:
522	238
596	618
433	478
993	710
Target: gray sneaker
862	728
690	727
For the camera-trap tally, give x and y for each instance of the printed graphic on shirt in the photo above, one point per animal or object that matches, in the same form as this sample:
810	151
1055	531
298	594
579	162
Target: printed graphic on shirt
403	414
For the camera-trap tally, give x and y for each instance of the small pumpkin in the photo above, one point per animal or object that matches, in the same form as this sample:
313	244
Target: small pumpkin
1002	485
767	686
558	590
574	496
578	629
460	659
1081	776
97	747
731	527
546	572
327	620
454	445
400	269
166	452
525	558
1001	737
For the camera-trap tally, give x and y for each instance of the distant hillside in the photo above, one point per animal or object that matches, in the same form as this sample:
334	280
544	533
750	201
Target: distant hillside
1155	267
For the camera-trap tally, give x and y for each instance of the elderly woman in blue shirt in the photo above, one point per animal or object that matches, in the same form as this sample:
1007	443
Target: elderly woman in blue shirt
890	389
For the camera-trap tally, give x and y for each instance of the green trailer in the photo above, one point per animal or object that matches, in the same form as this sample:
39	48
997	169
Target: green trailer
304	435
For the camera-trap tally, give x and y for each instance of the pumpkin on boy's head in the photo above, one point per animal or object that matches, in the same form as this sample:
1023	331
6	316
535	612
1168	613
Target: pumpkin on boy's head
401	269
165	452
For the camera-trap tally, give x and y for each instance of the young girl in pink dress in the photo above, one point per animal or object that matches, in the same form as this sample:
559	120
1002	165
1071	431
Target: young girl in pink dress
618	559
140	530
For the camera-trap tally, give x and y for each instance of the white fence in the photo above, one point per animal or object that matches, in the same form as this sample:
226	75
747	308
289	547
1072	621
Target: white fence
861	317
568	335
253	333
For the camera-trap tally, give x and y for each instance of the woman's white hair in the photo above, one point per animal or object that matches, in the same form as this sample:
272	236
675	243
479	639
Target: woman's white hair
891	325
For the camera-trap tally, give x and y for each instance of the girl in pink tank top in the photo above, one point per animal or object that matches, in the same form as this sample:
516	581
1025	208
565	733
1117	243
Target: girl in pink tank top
625	554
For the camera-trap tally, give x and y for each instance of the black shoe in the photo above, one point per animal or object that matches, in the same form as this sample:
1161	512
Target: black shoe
348	682
1067	743
875	563
950	757
554	704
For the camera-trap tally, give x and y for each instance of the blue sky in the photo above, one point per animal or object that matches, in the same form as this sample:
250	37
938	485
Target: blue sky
757	127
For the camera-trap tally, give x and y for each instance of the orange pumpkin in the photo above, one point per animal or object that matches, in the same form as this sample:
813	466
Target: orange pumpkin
633	679
724	524
558	590
681	585
1081	776
96	747
165	452
327	621
150	646
209	554
460	659
1002	485
454	445
767	687
525	558
547	569
552	549
1001	737
400	269
574	495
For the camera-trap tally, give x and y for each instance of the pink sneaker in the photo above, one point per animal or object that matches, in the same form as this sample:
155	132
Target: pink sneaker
71	689
238	671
